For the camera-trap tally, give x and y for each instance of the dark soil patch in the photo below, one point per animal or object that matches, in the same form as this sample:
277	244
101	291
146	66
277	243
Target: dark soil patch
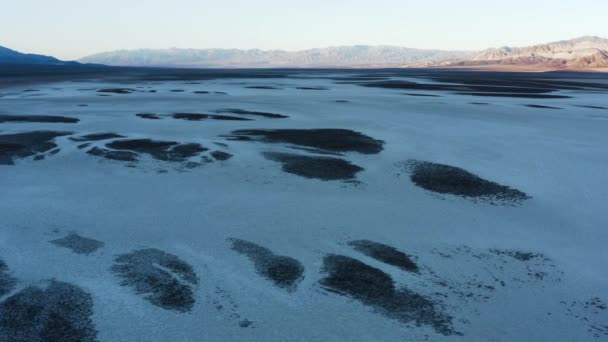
447	179
334	140
113	155
283	271
372	287
541	106
37	118
149	116
117	90
200	117
162	278
170	151
249	112
97	137
323	168
219	155
23	145
7	282
386	254
78	244
59	312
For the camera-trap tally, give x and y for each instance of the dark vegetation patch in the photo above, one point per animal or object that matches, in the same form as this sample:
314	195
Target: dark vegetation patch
285	272
113	155
540	106
447	179
372	287
149	116
170	151
37	118
387	254
518	95
7	282
263	87
323	168
78	244
334	140
117	90
162	278
219	155
519	255
421	95
97	137
60	312
249	112
312	88
200	117
23	145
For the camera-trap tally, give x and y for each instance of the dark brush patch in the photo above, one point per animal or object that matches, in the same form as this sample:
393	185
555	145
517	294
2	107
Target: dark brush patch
445	179
96	137
78	244
263	87
7	282
113	155
149	116
386	254
220	155
170	151
285	272
162	278
323	168
334	140
200	117
249	112
117	90
23	145
421	95
59	312
540	106
372	287
37	118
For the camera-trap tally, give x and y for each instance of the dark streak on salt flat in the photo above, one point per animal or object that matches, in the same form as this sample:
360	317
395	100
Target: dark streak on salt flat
57	313
285	272
149	116
220	155
78	244
249	112
591	107
447	179
385	253
162	278
37	118
540	106
263	87
199	117
96	137
170	151
421	95
23	145
517	95
350	277
323	168
312	88
334	140
112	155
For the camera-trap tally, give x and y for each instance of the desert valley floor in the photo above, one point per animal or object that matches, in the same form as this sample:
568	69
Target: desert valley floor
300	205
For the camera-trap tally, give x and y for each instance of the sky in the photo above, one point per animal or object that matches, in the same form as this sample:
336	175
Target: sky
70	29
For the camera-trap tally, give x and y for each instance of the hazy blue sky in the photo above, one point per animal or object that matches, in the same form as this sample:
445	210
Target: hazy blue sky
70	29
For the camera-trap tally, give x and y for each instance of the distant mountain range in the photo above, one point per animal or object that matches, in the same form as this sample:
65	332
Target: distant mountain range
584	53
8	56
